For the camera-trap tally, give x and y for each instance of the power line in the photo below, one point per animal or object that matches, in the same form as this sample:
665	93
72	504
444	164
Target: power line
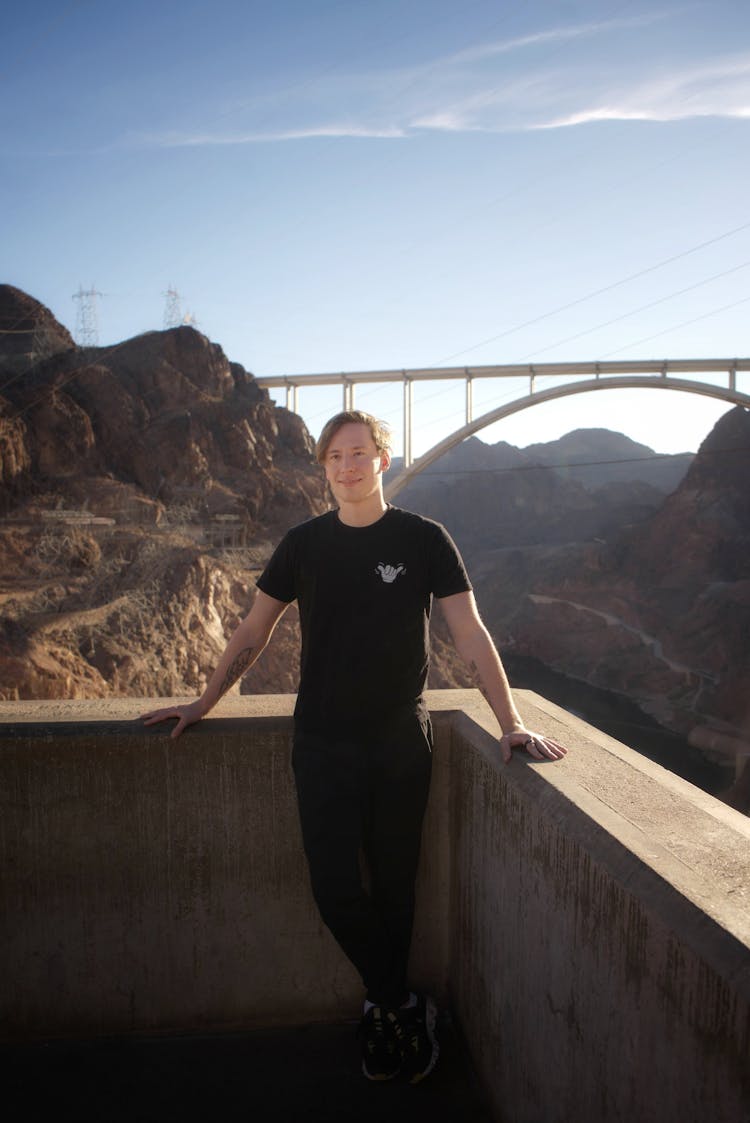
676	327
596	292
661	300
518	190
635	311
563	465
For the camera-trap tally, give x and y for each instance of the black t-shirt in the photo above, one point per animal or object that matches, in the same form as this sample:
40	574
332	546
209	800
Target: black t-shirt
364	596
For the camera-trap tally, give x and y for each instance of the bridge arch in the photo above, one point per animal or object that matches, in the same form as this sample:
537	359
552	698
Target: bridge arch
727	394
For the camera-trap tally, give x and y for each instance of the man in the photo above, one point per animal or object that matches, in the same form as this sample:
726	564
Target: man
364	576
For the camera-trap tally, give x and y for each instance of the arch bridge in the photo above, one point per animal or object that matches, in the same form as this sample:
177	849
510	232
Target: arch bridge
586	377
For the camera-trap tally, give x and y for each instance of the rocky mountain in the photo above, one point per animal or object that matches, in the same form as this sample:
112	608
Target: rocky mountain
495	495
661	611
157	420
28	330
599	457
142	485
618	569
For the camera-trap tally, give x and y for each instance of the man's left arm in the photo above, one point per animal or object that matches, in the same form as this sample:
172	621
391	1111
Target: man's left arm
474	644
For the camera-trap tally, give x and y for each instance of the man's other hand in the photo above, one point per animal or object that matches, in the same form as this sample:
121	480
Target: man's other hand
186	715
537	746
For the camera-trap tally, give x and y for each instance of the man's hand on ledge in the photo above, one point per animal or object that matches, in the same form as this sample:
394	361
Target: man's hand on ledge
537	746
186	715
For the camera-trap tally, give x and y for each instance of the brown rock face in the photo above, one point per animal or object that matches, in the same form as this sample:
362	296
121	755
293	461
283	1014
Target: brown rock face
165	414
28	330
125	473
704	527
29	334
494	497
15	460
581	563
662	612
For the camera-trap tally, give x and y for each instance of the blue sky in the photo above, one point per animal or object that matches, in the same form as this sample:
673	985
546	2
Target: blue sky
379	184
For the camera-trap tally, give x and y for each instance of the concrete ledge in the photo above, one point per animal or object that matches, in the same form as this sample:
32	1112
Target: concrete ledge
158	884
588	920
600	935
161	885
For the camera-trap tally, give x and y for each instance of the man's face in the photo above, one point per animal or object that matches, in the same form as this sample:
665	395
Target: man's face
353	466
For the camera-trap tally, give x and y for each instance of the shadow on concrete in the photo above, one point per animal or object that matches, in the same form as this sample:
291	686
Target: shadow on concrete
269	1076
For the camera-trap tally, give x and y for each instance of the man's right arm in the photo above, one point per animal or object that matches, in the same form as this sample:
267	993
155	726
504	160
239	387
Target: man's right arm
248	641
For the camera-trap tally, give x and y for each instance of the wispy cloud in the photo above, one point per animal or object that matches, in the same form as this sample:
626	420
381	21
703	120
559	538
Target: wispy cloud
501	86
201	140
557	35
718	89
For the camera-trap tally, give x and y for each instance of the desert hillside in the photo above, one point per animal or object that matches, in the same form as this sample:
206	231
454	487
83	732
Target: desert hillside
143	488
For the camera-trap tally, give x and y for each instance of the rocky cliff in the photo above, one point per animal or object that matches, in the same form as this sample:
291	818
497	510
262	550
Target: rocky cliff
661	611
157	420
586	485
599	457
143	486
130	477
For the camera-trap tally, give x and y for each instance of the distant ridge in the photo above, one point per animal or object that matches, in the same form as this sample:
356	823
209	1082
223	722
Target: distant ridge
614	457
586	485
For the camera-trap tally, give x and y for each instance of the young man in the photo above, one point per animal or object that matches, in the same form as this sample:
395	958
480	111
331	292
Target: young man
364	576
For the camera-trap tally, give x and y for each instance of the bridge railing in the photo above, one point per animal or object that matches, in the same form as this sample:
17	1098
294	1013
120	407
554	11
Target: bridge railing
647	369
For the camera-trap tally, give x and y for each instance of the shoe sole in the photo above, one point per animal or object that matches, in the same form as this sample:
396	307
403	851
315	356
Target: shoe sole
381	1076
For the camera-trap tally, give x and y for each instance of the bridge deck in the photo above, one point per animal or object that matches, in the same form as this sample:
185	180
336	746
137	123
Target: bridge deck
579	378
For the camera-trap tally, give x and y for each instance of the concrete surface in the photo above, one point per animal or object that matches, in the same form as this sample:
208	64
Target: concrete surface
268	1076
586	921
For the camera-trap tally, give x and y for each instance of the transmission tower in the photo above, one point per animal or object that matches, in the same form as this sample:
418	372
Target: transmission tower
172	310
87	325
41	346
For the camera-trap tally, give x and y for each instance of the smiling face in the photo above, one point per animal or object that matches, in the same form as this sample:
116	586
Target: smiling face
354	467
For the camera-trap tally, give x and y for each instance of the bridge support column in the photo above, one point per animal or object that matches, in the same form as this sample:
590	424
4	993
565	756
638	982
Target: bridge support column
292	397
408	403
469	398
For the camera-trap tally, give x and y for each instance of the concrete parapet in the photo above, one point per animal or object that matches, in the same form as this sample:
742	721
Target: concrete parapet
600	932
587	920
158	884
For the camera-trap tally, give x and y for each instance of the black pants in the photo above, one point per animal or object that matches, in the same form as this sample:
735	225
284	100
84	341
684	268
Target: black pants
366	792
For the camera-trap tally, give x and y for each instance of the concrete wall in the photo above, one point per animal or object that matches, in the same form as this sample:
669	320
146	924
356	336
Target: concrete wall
150	884
157	884
587	920
600	962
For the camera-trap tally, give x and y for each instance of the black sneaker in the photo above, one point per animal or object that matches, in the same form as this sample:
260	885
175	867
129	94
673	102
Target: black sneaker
420	1046
382	1044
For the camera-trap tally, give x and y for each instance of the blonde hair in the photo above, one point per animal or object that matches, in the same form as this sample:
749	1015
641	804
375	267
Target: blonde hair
379	431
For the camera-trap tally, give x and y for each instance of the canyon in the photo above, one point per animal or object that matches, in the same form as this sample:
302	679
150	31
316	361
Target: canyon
143	486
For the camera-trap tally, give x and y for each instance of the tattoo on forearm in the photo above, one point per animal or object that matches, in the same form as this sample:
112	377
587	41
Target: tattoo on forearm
236	669
475	671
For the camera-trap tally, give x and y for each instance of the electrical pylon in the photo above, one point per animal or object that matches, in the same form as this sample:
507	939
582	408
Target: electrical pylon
172	310
87	322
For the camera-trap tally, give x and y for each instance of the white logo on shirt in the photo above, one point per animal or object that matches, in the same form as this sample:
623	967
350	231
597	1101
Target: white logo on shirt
389	573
